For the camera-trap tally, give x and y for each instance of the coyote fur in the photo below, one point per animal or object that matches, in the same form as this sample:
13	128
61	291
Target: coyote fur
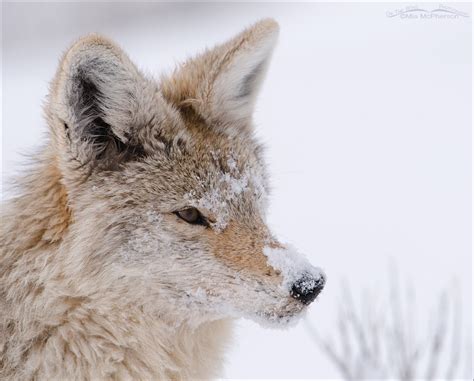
140	235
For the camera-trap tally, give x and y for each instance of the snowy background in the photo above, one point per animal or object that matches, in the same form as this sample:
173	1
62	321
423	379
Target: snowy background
367	119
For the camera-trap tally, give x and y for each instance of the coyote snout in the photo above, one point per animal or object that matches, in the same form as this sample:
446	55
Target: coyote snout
301	281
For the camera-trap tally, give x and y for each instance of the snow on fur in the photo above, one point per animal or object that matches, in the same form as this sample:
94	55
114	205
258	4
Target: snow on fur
293	267
229	185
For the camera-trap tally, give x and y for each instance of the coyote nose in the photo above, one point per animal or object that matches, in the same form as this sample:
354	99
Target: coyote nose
307	288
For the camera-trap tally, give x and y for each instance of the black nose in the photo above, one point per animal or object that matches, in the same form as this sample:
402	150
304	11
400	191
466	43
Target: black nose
307	288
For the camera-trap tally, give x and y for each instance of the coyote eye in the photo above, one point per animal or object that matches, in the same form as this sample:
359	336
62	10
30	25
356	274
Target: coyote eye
192	216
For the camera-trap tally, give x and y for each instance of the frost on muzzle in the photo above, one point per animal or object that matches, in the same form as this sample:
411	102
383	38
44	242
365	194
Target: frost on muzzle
303	281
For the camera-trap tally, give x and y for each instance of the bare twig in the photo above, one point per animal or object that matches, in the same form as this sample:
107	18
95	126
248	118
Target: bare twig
383	341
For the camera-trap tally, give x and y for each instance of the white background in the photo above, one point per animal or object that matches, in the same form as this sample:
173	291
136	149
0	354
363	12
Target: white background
367	120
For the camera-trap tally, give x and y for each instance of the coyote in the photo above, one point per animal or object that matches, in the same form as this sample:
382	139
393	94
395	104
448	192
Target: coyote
140	234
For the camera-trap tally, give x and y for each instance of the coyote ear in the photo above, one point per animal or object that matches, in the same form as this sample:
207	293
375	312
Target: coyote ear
95	97
222	84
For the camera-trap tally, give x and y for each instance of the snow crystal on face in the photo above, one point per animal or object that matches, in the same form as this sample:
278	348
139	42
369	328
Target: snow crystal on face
293	267
307	284
142	243
152	216
232	164
198	295
227	187
235	185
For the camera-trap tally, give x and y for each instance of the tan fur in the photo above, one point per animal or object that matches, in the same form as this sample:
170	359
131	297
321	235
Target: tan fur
99	278
241	248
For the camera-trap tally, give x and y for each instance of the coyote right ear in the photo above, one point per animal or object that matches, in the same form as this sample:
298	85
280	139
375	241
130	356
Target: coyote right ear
97	96
221	85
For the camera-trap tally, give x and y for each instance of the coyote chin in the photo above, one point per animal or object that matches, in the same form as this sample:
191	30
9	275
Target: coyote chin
140	234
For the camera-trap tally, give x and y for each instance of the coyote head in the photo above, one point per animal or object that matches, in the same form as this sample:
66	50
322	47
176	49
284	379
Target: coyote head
167	185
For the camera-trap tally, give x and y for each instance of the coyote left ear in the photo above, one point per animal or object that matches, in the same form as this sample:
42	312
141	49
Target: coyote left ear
222	84
99	100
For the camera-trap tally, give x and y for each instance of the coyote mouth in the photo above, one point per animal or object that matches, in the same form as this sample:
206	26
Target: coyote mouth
287	315
279	320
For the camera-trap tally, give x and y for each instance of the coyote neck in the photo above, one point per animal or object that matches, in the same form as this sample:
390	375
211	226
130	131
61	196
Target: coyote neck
86	341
